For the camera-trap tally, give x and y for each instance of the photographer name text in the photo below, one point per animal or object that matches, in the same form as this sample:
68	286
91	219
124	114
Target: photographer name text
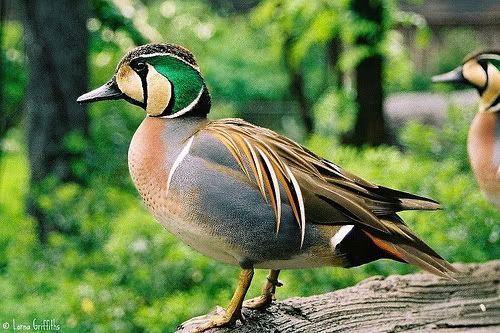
34	325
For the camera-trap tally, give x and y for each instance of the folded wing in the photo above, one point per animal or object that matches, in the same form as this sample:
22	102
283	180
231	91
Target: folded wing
325	192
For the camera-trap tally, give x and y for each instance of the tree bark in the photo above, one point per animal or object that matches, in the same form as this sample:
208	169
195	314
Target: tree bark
412	303
370	125
56	45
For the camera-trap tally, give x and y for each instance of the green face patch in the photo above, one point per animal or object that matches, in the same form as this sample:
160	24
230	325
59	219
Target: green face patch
496	63
186	81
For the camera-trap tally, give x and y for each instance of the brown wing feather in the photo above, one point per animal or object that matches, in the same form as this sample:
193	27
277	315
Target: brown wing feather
238	139
274	159
329	194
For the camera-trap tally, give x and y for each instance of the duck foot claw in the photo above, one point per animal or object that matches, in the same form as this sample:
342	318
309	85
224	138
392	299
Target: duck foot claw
217	318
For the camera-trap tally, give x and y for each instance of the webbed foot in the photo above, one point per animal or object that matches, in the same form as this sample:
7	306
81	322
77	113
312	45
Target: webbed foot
259	302
217	318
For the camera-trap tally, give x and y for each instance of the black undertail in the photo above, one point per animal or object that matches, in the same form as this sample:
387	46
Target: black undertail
356	248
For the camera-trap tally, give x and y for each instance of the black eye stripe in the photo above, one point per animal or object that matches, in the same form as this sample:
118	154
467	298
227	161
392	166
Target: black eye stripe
484	65
142	71
144	86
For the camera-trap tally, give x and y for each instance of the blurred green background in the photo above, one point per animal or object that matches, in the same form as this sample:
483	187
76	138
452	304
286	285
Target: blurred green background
102	264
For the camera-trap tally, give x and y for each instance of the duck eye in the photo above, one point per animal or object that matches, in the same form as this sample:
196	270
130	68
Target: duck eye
139	66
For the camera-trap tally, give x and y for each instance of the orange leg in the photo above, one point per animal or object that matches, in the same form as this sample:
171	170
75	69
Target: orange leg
233	311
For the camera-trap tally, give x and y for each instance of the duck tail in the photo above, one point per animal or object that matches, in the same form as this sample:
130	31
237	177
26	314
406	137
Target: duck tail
410	249
409	201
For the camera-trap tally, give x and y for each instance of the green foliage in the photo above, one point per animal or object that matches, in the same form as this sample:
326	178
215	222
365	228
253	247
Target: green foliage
244	70
399	71
454	52
120	271
425	141
297	26
456	45
13	76
339	122
116	270
413	20
107	15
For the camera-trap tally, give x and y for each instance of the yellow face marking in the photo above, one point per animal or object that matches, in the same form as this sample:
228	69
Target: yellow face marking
130	83
159	92
474	73
492	91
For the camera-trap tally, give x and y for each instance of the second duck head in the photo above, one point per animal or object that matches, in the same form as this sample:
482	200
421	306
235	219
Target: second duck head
481	71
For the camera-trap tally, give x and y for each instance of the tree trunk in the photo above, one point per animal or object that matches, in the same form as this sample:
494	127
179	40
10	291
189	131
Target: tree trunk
412	303
334	50
370	127
297	87
56	45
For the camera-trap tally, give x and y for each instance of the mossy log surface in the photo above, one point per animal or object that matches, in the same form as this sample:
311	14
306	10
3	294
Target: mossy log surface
399	303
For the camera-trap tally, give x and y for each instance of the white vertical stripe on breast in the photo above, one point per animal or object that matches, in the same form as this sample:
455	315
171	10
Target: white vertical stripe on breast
178	161
340	235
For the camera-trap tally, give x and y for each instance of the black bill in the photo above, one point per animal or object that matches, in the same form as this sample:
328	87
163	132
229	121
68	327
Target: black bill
107	91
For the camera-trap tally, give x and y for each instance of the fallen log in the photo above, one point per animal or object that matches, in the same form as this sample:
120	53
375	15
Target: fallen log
398	303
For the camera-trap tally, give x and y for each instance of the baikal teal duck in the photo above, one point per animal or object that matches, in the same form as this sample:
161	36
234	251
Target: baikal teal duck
245	195
482	72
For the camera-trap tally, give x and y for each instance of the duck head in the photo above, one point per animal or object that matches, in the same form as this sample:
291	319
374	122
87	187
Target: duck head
481	71
163	79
